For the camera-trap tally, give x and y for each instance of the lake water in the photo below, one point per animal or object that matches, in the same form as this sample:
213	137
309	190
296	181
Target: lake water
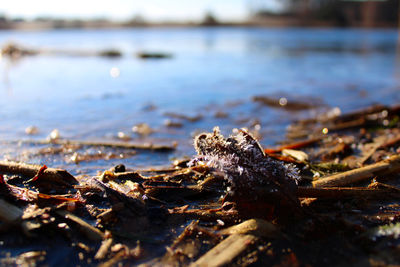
212	70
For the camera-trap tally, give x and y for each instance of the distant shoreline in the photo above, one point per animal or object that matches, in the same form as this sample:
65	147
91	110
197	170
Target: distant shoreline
266	22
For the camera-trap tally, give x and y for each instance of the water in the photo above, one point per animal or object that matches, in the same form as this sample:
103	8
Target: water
212	70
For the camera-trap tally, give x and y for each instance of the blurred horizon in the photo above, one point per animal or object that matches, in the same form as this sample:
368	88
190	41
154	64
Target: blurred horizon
43	14
118	10
182	77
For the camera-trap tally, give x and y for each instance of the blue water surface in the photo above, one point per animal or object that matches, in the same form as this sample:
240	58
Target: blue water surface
212	70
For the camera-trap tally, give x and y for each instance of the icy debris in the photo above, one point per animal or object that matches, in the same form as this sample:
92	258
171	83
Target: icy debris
243	163
54	135
31	130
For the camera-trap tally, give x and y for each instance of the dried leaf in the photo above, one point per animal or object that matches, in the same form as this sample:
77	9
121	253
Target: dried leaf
296	154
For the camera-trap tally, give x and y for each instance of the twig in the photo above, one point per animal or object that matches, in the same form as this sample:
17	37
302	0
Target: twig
381	168
391	142
351	116
91	232
297	145
206	215
144	146
50	174
132	176
114	260
131	203
226	251
340	126
345	192
375	146
378	185
365	112
257	227
104	248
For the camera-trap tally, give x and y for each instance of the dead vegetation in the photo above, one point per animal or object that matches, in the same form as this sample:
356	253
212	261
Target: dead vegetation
15	51
330	199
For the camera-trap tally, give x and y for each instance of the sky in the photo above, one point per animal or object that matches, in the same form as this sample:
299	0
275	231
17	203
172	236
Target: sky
152	10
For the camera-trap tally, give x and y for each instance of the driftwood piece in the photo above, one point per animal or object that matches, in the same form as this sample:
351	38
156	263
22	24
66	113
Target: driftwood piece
91	232
226	251
144	146
30	170
380	168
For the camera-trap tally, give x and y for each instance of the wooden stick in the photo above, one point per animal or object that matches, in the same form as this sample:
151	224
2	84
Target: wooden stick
345	192
114	260
206	215
391	142
52	175
91	232
372	150
364	112
297	145
104	248
144	146
132	176
226	251
257	227
358	123
380	168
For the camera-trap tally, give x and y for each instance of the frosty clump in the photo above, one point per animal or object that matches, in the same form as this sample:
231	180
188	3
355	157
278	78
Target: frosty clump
243	164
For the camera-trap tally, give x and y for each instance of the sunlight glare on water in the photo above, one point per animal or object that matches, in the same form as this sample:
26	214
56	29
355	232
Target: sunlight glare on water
115	72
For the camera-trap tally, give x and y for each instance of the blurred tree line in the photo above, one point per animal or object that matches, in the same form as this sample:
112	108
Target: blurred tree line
364	13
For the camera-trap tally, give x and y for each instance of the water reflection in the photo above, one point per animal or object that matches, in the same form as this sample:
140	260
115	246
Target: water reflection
299	41
90	97
7	65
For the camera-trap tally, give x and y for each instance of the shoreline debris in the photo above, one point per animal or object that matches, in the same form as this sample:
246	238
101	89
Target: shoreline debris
127	145
288	104
244	165
234	203
15	51
50	175
384	167
153	55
